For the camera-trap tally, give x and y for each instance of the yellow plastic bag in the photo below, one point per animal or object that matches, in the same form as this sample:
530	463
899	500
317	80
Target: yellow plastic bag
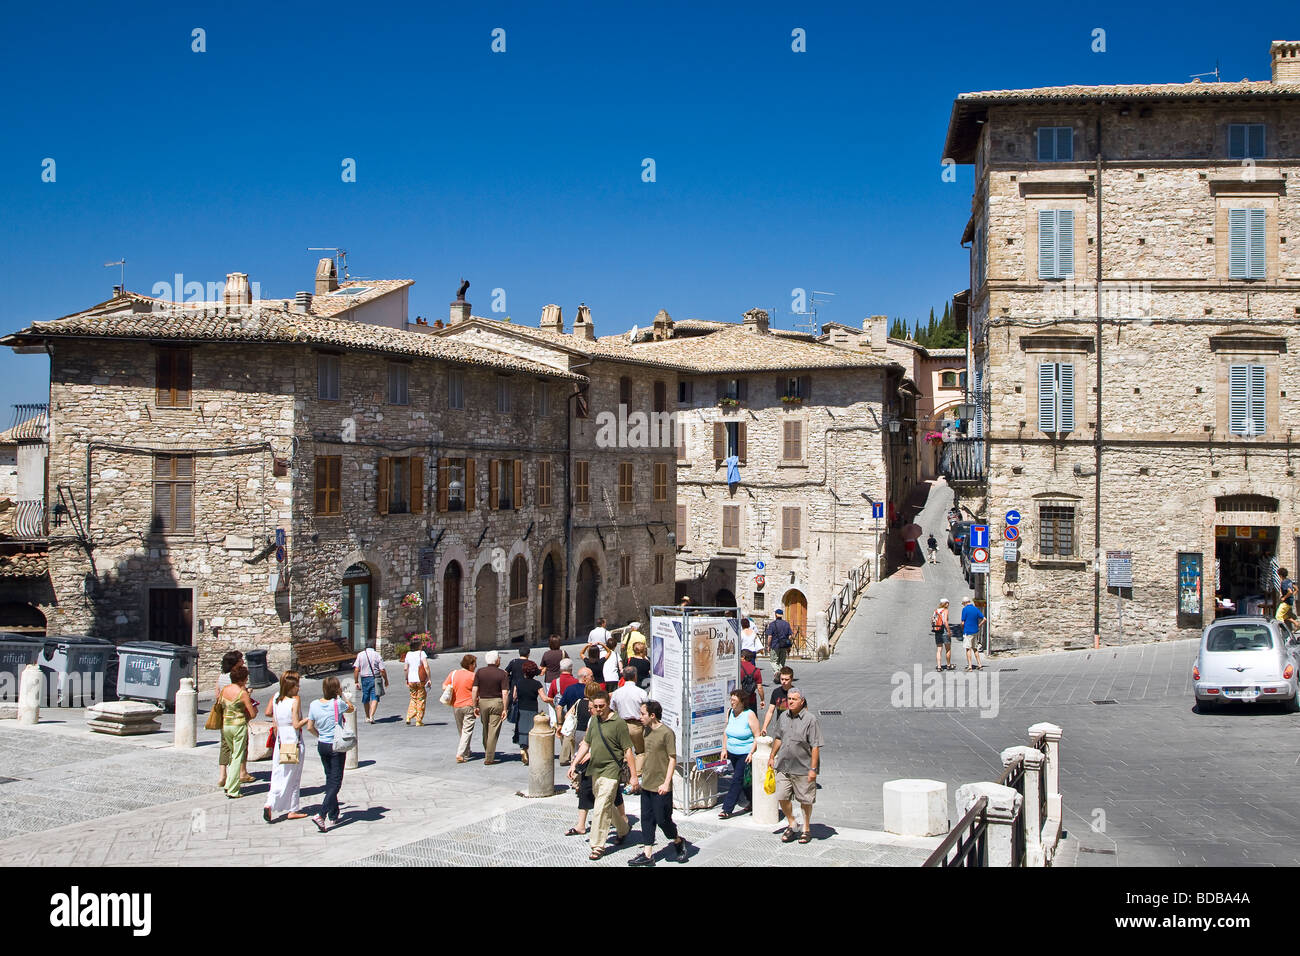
769	781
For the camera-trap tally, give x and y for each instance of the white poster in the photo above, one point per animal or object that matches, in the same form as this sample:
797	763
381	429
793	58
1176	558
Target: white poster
714	673
666	679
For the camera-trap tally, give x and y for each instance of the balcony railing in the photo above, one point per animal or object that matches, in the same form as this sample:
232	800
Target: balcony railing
29	519
962	461
29	422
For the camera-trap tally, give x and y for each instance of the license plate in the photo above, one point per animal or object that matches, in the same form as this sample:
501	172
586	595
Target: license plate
1242	693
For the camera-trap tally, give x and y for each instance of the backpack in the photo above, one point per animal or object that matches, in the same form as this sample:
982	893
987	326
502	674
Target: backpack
748	683
936	621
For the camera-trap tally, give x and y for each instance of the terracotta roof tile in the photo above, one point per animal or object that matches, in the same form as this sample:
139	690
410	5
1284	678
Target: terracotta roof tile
27	565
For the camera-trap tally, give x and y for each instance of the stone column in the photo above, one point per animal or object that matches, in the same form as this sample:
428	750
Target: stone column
541	758
1003	814
29	695
1033	757
187	715
823	633
1052	781
353	759
916	807
765	808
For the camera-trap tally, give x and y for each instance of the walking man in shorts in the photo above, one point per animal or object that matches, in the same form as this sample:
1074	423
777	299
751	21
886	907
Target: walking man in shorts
796	759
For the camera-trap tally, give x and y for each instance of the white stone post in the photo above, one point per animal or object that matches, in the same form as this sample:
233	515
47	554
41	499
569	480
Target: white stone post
1033	757
353	759
29	695
187	715
765	808
916	807
1003	815
1052	766
541	758
823	633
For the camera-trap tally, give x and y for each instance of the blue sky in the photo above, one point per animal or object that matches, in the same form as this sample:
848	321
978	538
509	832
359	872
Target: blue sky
522	170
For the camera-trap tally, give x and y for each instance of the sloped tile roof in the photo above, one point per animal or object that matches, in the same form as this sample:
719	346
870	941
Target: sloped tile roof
26	565
334	303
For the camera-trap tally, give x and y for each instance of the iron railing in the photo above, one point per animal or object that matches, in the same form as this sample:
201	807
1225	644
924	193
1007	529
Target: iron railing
1014	777
838	610
29	519
967	844
962	461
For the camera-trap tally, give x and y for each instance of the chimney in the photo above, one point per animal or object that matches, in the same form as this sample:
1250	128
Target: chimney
459	312
663	326
552	319
117	290
237	290
327	278
877	329
302	302
1285	55
582	325
756	320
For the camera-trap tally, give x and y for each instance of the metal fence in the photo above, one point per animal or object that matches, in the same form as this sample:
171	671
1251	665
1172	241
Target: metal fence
967	844
1014	777
29	519
962	460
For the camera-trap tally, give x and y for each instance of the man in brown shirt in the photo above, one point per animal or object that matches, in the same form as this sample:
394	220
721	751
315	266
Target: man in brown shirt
657	785
491	690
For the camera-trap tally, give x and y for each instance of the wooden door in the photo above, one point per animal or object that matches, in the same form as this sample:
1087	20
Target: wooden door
451	581
796	615
485	609
588	588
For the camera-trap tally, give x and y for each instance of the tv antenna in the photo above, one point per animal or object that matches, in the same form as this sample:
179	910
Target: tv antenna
1214	73
121	263
340	259
810	325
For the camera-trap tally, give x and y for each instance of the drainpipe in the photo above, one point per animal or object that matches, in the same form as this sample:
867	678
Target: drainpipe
1096	505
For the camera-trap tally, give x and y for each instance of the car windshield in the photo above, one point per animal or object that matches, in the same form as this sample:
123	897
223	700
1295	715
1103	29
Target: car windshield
1240	637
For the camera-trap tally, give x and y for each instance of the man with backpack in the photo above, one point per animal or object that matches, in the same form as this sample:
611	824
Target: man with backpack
779	638
942	636
751	680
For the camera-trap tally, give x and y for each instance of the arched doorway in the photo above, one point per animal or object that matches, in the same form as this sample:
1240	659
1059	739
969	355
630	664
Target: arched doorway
547	594
451	584
724	598
588	593
517	629
485	608
796	615
355	626
22	619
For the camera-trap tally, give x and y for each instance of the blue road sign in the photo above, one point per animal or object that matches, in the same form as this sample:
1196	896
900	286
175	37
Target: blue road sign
759	565
1013	518
979	536
877	509
279	537
1012	533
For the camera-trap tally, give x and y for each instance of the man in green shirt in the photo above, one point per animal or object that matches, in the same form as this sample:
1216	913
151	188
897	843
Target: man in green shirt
657	785
605	750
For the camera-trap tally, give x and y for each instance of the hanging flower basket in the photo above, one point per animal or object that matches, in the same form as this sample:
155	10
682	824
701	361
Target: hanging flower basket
325	609
412	600
935	438
792	399
729	402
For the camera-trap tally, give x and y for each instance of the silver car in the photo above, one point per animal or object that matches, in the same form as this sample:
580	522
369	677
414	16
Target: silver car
1248	658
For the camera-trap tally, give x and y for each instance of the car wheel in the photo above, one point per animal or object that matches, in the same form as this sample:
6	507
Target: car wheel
1292	706
1206	707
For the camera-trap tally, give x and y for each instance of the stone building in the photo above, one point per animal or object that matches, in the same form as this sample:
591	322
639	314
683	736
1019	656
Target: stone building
1133	308
260	473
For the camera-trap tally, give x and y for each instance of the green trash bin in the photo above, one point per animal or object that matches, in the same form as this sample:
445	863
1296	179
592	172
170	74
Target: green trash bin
16	652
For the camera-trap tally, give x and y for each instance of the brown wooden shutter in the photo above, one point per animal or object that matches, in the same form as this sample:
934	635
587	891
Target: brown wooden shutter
742	442
471	489
518	483
494	466
163	396
322	479
786	529
661	397
795	525
444	480
805	387
742	389
184	506
781	383
681	526
417	485
183	373
722	385
719	441
381	499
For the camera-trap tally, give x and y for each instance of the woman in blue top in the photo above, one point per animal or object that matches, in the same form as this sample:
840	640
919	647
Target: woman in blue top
322	718
742	728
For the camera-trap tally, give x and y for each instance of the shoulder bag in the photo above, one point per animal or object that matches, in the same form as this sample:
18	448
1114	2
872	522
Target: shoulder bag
624	771
215	715
289	749
448	693
345	735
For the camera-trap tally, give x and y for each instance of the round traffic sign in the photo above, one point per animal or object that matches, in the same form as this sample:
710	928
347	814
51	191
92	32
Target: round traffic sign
1013	518
759	565
979	556
1012	533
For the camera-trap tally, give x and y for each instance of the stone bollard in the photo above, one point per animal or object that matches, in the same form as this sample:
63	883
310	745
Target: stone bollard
187	715
1032	817
916	807
1003	815
353	758
1051	767
765	809
29	695
541	758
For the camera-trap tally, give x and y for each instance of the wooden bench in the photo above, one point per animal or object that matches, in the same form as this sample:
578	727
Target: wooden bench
326	655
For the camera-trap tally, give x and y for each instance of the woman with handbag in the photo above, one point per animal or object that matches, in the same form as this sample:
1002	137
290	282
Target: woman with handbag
324	718
742	730
214	722
237	709
417	682
286	759
458	694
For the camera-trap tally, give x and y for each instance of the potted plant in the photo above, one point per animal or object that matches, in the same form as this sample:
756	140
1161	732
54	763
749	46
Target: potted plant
412	600
324	610
792	399
729	402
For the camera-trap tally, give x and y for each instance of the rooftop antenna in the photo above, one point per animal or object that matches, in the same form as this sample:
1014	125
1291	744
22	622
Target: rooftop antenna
1214	74
810	324
340	258
122	264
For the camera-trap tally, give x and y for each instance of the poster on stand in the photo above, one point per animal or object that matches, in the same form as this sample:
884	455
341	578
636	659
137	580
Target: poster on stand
714	673
666	678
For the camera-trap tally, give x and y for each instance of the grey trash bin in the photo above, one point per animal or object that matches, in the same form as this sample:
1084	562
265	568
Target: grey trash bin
16	652
258	675
152	670
76	669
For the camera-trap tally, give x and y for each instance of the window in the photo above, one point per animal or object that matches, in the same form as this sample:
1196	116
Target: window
543	399
1246	400
456	389
1055	144
1246	258
455	484
327	377
661	481
544	484
1056	397
173	494
503	394
581	482
948	380
659	569
1056	531
731	527
793	387
758	603
519	580
401	486
685	392
329	469
1246	141
791	524
505	482
624	570
683	528
1055	243
399	374
680	427
732	390
175	377
625	483
792	441
625	391
729	438
582	405
660	397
